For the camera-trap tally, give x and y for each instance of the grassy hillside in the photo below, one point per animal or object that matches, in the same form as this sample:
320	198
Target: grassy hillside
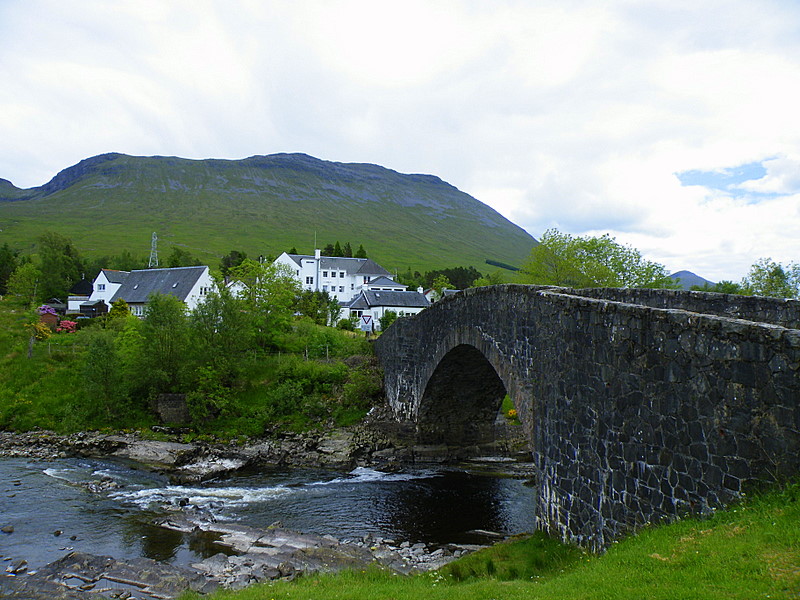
262	205
750	551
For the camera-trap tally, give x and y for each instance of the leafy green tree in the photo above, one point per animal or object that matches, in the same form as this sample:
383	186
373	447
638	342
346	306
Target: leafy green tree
327	250
360	253
232	259
102	375
126	261
60	264
180	257
494	278
440	284
119	310
321	307
9	260
723	287
387	319
460	278
768	278
165	337
24	283
269	291
222	332
292	250
561	259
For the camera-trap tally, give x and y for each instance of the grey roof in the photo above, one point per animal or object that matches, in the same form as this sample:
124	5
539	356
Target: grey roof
385	281
370	298
82	288
114	276
176	282
352	266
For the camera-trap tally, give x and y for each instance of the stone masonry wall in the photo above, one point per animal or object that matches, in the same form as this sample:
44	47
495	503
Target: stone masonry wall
634	413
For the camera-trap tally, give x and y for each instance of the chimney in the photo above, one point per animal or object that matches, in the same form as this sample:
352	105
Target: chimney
317	253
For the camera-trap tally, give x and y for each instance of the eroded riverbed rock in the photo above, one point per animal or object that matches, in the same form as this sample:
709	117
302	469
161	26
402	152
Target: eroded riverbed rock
88	577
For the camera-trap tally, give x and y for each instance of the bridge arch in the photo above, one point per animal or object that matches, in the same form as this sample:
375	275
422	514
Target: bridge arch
638	405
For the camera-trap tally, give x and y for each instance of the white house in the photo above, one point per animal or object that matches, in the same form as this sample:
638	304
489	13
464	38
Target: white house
341	277
376	303
188	284
106	284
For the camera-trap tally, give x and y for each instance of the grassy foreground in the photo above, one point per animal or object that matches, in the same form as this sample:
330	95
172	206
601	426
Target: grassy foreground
749	551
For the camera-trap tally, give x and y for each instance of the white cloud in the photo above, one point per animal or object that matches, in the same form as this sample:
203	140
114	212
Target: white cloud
566	114
783	177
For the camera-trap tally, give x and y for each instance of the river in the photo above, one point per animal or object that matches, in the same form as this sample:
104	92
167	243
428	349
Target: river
52	511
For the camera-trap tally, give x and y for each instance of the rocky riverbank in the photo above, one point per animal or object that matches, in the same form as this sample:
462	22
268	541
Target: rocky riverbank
248	555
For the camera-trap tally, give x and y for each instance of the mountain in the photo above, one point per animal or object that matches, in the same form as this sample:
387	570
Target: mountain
261	205
687	279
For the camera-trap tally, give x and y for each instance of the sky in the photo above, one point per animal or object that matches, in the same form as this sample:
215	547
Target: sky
673	126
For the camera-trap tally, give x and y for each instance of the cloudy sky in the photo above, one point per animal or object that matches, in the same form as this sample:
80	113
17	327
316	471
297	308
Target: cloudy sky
674	126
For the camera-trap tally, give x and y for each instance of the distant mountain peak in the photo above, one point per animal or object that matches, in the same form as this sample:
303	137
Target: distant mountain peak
687	279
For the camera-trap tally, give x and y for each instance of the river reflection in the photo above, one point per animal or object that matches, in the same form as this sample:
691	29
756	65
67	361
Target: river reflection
41	498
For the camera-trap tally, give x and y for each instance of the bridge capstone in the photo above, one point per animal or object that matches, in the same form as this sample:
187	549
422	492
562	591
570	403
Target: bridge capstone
639	405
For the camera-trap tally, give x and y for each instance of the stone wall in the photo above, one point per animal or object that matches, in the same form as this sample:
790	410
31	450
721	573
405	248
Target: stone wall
634	413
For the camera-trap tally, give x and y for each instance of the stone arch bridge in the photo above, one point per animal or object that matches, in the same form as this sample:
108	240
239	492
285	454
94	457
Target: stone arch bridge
638	405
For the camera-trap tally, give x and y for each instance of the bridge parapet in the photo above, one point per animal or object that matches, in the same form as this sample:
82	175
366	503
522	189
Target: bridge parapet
633	412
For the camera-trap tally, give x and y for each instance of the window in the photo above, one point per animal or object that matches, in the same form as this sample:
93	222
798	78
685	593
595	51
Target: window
101	287
324	288
366	278
310	280
205	291
352	286
341	274
341	288
324	273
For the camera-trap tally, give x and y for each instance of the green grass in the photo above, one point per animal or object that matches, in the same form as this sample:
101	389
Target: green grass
749	551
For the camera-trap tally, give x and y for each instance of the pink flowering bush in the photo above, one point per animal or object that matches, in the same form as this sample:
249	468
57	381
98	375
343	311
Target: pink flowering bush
67	327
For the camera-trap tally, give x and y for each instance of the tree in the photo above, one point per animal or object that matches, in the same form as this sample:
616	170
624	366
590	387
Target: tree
232	259
460	278
269	291
347	251
327	250
119	310
360	253
494	278
164	331
127	262
564	260
180	257
321	307
723	287
60	265
440	284
387	319
292	250
101	370
337	249
768	278
222	332
24	283
9	261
